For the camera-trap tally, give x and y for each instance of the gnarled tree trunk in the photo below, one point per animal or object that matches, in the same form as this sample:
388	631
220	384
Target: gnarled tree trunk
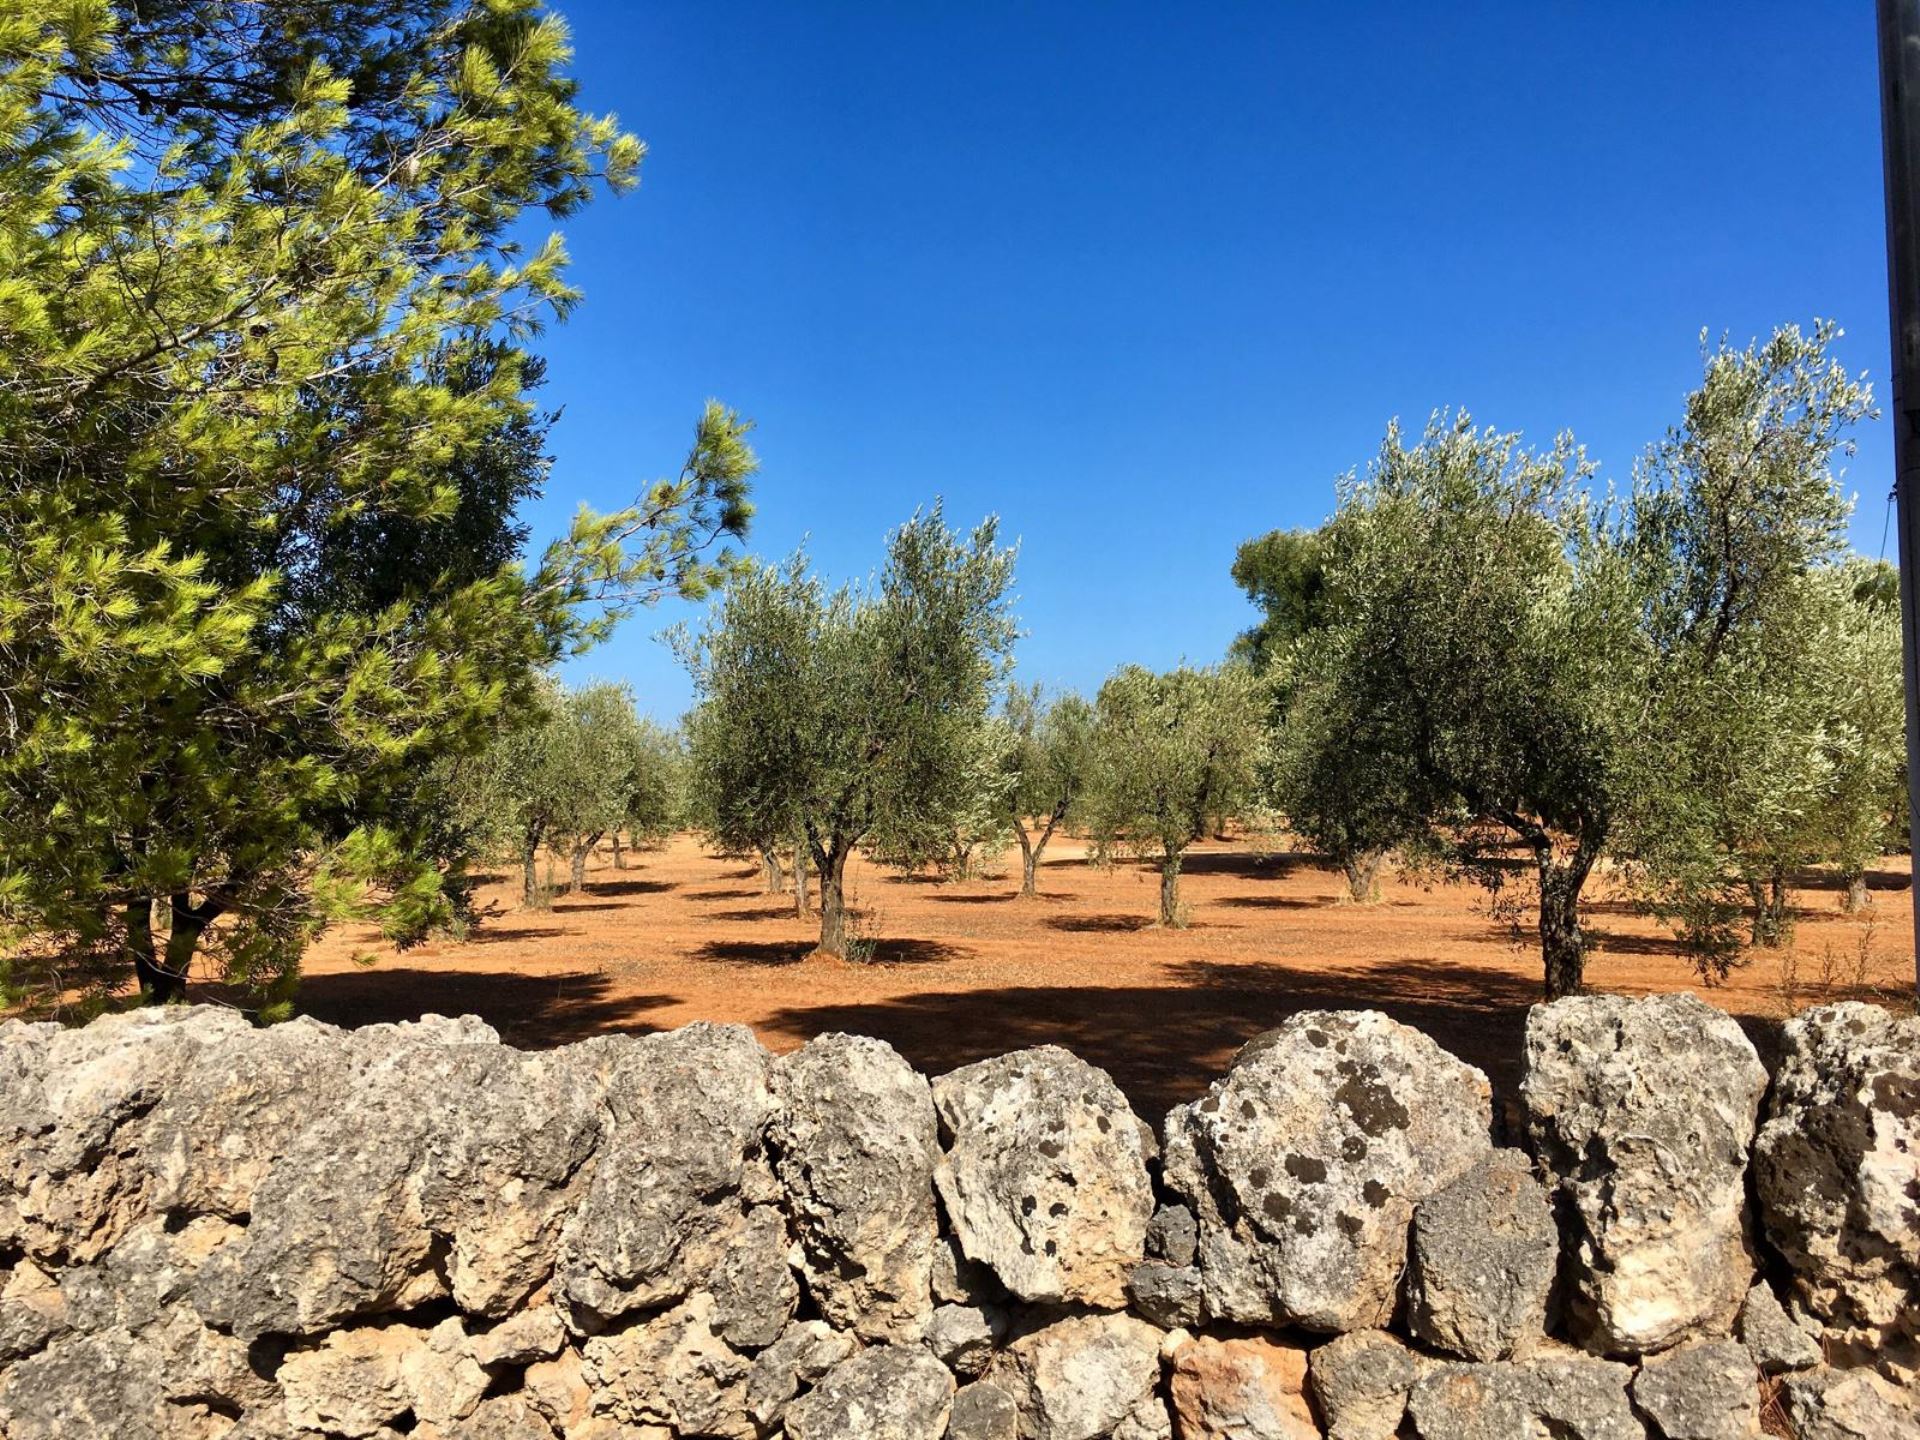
619	857
1362	869
1170	890
530	894
833	899
577	878
800	873
1858	896
770	869
1768	901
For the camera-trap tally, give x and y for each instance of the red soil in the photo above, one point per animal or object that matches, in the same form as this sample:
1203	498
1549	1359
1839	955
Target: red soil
963	971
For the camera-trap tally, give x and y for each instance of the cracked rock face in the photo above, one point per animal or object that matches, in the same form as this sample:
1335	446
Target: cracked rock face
890	1392
1703	1390
1828	1404
1837	1171
1084	1378
856	1143
1243	1388
1642	1112
1045	1175
1571	1397
1303	1166
1485	1251
680	1171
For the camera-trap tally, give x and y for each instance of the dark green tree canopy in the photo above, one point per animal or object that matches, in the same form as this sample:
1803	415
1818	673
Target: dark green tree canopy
263	425
1282	573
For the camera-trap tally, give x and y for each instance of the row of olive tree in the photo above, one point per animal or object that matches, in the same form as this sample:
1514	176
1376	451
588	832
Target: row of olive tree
1692	680
579	766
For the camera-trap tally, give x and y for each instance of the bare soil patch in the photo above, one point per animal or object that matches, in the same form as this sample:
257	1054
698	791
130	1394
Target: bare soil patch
963	971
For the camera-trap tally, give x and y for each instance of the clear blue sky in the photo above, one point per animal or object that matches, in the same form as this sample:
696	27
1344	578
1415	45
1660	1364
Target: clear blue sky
1144	279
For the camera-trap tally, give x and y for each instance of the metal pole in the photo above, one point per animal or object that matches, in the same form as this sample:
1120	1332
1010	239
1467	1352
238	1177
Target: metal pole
1900	152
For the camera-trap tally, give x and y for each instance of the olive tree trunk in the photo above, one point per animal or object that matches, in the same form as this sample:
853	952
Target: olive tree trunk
1170	890
1858	897
530	893
619	858
833	900
1768	899
770	869
1362	869
801	866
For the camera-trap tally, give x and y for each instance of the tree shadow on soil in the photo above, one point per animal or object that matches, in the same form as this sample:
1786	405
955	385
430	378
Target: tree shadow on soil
1276	902
1164	1043
532	1011
492	935
901	951
1092	924
635	886
724	894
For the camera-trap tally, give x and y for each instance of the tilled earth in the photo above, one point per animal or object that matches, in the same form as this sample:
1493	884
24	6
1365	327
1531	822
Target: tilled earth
966	970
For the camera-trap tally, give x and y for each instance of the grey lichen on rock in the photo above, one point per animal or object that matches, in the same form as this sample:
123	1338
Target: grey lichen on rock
1642	1112
1045	1175
1304	1164
1485	1252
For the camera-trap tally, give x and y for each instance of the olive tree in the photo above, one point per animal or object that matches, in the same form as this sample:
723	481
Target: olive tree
1169	752
830	713
1049	762
1775	702
1478	666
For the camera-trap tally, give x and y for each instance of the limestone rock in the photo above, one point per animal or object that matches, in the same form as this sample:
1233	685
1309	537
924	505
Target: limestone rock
106	1384
856	1143
1247	1388
354	1383
1082	1377
1571	1397
663	1210
1837	1171
1828	1404
962	1338
1703	1390
1642	1111
1776	1343
75	1113
890	1392
1168	1295
1304	1163
1485	1251
1148	1420
983	1411
32	1311
1362	1381
672	1371
1045	1175
806	1350
1173	1235
364	1204
521	1339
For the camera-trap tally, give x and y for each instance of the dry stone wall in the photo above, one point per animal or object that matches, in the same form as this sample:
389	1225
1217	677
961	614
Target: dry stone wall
208	1230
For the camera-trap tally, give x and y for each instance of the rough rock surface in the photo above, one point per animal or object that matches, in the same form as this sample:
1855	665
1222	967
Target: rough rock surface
1485	1251
672	1193
962	1338
890	1392
983	1411
1303	1166
1776	1343
1168	1295
1362	1381
1571	1397
1828	1404
1837	1170
1045	1175
855	1144
1082	1377
1703	1390
212	1232
1243	1388
1642	1111
806	1350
